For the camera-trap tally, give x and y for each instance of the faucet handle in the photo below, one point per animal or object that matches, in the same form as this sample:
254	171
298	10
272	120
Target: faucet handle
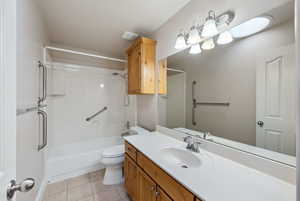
196	147
206	134
188	139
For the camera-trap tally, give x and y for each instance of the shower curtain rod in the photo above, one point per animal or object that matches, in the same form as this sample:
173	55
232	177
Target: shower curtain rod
83	53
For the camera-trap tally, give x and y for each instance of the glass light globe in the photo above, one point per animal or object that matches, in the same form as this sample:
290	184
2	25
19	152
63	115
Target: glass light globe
180	42
195	49
209	28
225	38
194	36
208	44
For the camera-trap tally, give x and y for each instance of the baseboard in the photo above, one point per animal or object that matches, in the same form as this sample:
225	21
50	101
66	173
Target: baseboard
75	173
42	189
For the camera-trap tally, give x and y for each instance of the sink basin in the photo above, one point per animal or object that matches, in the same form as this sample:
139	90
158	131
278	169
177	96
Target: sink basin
179	157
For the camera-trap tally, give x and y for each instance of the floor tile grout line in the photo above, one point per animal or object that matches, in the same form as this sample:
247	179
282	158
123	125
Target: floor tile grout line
92	179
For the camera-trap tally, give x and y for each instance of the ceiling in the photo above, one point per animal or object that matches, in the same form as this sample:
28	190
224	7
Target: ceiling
97	25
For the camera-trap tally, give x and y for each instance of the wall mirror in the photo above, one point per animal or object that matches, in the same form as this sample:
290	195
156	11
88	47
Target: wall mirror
242	93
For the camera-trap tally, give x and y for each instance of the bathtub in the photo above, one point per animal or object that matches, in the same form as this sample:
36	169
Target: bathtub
75	159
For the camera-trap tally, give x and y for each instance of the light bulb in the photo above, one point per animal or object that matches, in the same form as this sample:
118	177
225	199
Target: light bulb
208	44
195	49
225	38
194	36
180	42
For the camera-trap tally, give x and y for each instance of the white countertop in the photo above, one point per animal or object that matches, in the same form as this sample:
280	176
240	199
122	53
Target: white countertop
217	178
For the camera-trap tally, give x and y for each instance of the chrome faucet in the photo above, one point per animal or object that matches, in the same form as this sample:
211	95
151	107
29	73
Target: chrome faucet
206	134
192	145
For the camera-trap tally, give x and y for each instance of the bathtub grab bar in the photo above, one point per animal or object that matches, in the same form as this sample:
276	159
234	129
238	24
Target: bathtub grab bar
96	114
21	111
45	134
44	80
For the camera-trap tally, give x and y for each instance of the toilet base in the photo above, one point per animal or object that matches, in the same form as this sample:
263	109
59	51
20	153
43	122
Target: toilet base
113	175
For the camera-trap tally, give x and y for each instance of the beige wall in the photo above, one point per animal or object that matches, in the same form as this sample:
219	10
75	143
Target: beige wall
228	74
31	37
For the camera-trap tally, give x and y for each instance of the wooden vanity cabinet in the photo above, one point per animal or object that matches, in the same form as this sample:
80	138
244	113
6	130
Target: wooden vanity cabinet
141	66
162	196
148	190
130	172
146	187
130	150
145	181
174	189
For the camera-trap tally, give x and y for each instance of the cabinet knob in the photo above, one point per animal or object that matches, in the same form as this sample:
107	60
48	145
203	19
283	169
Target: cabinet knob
152	188
157	193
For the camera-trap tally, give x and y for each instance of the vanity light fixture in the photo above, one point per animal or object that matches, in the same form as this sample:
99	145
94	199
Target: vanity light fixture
194	36
208	44
180	42
195	49
251	26
198	32
210	27
225	38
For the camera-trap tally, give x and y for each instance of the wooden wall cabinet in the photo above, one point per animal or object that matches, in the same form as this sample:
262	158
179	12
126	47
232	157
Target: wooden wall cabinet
145	181
141	66
162	81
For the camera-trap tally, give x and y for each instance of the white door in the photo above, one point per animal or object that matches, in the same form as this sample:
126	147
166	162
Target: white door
7	94
275	100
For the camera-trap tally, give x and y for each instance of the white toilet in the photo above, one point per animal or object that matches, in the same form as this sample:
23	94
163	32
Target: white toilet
113	158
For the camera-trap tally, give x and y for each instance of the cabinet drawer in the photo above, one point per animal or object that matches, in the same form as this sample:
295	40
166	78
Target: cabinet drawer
175	190
130	150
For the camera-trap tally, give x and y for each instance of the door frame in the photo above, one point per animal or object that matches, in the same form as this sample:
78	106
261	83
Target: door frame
8	86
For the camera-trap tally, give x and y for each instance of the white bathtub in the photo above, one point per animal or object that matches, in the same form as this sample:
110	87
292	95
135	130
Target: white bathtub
78	158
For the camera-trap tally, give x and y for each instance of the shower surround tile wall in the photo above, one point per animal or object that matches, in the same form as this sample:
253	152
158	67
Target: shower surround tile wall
85	92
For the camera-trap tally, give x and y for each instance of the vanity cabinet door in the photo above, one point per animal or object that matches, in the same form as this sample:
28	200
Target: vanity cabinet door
130	172
162	196
146	187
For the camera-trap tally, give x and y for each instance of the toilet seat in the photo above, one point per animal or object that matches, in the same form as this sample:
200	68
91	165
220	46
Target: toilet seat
114	151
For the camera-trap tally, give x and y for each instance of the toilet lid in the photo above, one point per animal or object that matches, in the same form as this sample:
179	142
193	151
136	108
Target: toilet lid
114	151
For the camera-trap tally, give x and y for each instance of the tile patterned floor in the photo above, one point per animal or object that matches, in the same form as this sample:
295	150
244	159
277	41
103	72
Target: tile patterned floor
87	187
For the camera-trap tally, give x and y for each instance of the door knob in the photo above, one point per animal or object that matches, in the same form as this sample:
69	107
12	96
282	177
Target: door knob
260	123
25	186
